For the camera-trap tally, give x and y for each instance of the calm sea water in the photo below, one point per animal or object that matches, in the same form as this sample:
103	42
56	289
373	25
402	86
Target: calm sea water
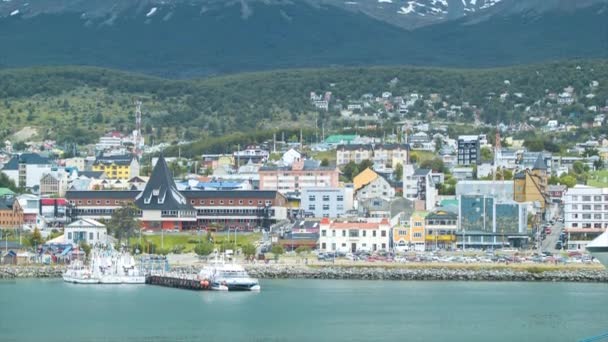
305	310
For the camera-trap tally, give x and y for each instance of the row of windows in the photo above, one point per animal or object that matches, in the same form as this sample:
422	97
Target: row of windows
353	233
339	198
251	212
363	246
587	198
588	207
589	225
588	216
250	202
107	202
325	207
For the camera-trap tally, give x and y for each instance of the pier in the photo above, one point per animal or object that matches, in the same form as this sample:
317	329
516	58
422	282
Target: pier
179	281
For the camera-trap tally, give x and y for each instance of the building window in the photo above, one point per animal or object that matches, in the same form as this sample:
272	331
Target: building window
383	233
575	207
325	206
383	246
374	233
240	201
312	198
343	233
364	233
323	232
312	207
250	202
221	201
340	198
586	216
192	202
211	202
323	245
417	235
70	236
231	202
586	206
586	198
89	202
325	198
107	201
597	198
353	233
90	236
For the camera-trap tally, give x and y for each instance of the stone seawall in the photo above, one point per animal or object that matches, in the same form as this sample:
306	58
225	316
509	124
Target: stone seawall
7	272
421	273
279	271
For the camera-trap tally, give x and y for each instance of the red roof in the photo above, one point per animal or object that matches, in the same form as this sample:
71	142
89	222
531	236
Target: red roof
51	201
355	225
325	220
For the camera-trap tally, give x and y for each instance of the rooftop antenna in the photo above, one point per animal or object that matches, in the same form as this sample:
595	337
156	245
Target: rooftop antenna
137	133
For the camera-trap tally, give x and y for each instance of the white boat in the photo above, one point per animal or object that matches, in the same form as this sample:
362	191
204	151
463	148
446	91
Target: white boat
117	268
77	273
228	277
599	248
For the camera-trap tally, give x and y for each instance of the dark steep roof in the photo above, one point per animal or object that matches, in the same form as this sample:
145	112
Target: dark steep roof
124	159
25	158
539	164
160	192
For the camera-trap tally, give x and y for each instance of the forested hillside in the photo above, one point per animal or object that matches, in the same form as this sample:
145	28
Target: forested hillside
77	104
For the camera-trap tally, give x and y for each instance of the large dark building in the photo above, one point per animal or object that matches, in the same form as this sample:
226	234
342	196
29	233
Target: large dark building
468	150
162	205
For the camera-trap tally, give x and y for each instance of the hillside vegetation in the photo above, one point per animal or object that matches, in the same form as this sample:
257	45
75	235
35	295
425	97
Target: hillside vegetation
77	104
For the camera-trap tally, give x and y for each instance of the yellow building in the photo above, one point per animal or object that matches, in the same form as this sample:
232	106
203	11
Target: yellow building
117	167
532	185
412	235
365	177
440	229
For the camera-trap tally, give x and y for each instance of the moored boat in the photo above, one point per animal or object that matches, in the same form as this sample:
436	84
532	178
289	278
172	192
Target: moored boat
599	248
228	277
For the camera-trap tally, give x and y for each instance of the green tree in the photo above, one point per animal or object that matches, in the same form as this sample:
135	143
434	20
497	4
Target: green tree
124	223
568	180
398	171
86	248
36	238
204	248
277	251
325	162
249	250
6	182
486	154
302	250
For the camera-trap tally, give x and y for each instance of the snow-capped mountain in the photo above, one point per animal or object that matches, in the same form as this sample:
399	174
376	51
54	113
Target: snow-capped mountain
403	13
182	38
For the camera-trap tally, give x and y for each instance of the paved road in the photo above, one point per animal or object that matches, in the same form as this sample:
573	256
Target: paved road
551	240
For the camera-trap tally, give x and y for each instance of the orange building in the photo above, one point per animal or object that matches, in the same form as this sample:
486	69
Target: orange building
11	213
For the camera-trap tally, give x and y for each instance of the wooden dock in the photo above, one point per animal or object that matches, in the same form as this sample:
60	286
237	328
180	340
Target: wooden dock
178	281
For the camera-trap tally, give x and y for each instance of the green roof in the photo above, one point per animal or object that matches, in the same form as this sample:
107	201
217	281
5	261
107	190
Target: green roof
448	202
6	191
340	138
420	213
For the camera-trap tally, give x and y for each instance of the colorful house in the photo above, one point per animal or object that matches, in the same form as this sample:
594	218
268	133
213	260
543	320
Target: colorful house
411	235
440	229
118	167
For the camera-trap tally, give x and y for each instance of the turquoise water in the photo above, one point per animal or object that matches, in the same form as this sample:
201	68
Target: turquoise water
304	310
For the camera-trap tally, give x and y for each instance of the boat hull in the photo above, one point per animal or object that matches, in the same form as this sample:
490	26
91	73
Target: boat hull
76	280
600	253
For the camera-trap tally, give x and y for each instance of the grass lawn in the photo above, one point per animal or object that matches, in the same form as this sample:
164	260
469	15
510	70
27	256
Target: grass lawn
329	155
598	179
189	241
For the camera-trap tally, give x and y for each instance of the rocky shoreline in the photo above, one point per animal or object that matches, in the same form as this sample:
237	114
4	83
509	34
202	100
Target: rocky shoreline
280	271
10	271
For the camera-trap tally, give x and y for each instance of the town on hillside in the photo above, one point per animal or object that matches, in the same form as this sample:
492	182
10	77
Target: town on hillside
424	187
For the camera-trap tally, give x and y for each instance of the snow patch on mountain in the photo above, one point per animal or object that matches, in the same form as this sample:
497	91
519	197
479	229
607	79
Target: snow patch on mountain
15	12
151	12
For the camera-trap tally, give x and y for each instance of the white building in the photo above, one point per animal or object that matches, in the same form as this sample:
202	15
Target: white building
377	188
585	214
27	169
290	156
77	162
85	230
327	202
354	236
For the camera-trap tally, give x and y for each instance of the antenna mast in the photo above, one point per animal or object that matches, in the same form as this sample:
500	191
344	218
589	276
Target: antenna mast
137	134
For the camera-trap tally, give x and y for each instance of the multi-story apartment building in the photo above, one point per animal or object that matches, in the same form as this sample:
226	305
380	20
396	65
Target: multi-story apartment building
353	153
302	174
440	229
11	213
161	205
383	154
54	183
585	214
118	166
27	169
354	236
327	202
468	150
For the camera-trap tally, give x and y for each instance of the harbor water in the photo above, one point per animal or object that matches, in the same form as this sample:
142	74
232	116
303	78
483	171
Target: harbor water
305	310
